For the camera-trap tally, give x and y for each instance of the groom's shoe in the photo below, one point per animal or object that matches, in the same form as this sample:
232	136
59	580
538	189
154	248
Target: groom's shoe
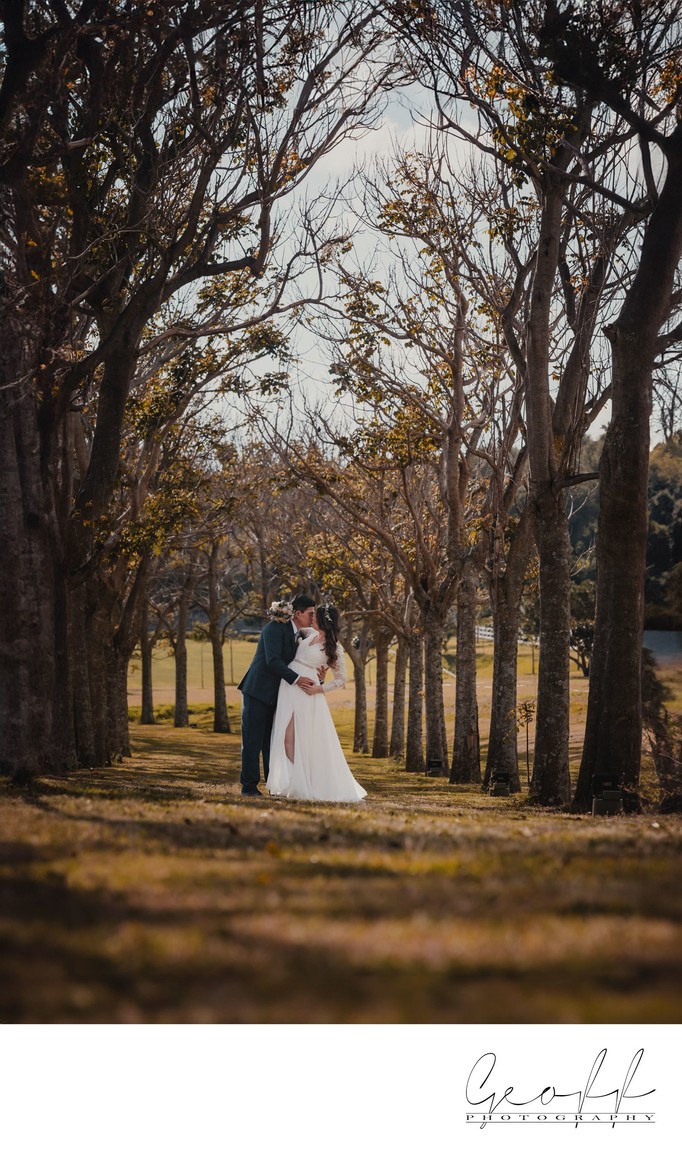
252	793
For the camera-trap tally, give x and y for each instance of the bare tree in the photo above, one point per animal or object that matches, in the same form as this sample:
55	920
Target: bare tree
555	140
644	94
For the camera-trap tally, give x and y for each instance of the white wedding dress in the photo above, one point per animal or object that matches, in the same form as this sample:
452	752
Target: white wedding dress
319	771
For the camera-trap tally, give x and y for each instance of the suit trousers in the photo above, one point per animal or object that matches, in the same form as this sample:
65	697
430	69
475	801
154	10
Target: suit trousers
257	719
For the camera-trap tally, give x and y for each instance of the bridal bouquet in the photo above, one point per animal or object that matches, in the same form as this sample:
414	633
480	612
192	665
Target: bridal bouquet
281	611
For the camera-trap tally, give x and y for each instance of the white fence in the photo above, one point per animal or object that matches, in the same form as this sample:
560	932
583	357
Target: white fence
483	633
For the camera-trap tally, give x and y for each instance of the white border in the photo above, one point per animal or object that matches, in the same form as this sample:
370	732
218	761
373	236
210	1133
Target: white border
312	1087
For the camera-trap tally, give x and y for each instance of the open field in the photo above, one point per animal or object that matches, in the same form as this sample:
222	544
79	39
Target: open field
152	892
238	655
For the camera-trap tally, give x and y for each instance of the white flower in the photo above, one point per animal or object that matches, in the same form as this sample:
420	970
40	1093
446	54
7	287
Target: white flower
281	611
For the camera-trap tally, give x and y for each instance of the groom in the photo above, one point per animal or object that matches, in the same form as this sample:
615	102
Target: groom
260	685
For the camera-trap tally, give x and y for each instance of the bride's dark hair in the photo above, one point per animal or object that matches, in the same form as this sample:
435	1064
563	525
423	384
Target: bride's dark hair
328	619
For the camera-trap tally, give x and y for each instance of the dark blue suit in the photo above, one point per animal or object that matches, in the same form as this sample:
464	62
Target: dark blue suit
259	687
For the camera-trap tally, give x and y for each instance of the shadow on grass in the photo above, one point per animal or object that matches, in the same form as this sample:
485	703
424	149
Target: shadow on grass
153	892
229	974
323	990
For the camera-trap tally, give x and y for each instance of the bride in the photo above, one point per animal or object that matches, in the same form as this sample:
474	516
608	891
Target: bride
306	760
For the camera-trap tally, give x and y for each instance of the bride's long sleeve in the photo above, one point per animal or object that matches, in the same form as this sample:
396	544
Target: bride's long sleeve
339	670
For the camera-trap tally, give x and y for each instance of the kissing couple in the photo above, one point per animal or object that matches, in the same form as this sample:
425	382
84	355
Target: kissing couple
285	716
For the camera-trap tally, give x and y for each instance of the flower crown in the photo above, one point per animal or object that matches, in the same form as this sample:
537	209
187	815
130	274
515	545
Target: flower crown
281	611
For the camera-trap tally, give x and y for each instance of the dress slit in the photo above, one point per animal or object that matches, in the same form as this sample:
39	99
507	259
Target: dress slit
290	740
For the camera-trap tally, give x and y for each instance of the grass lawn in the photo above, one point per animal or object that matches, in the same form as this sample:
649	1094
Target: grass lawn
239	653
152	892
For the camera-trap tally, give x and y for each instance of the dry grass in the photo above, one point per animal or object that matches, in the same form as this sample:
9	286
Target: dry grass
152	892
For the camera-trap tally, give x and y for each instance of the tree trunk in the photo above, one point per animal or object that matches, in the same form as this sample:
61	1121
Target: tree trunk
221	722
181	712
502	742
117	699
380	740
414	750
506	589
27	624
397	743
360	732
358	657
107	675
86	751
146	656
613	732
97	642
114	598
466	762
436	737
551	783
64	732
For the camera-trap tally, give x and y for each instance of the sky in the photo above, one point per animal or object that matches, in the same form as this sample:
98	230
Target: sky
403	127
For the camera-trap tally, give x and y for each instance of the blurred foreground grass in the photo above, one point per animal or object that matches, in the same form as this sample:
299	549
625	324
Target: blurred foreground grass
152	892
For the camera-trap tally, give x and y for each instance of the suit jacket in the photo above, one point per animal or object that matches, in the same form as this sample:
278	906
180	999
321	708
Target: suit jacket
276	649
